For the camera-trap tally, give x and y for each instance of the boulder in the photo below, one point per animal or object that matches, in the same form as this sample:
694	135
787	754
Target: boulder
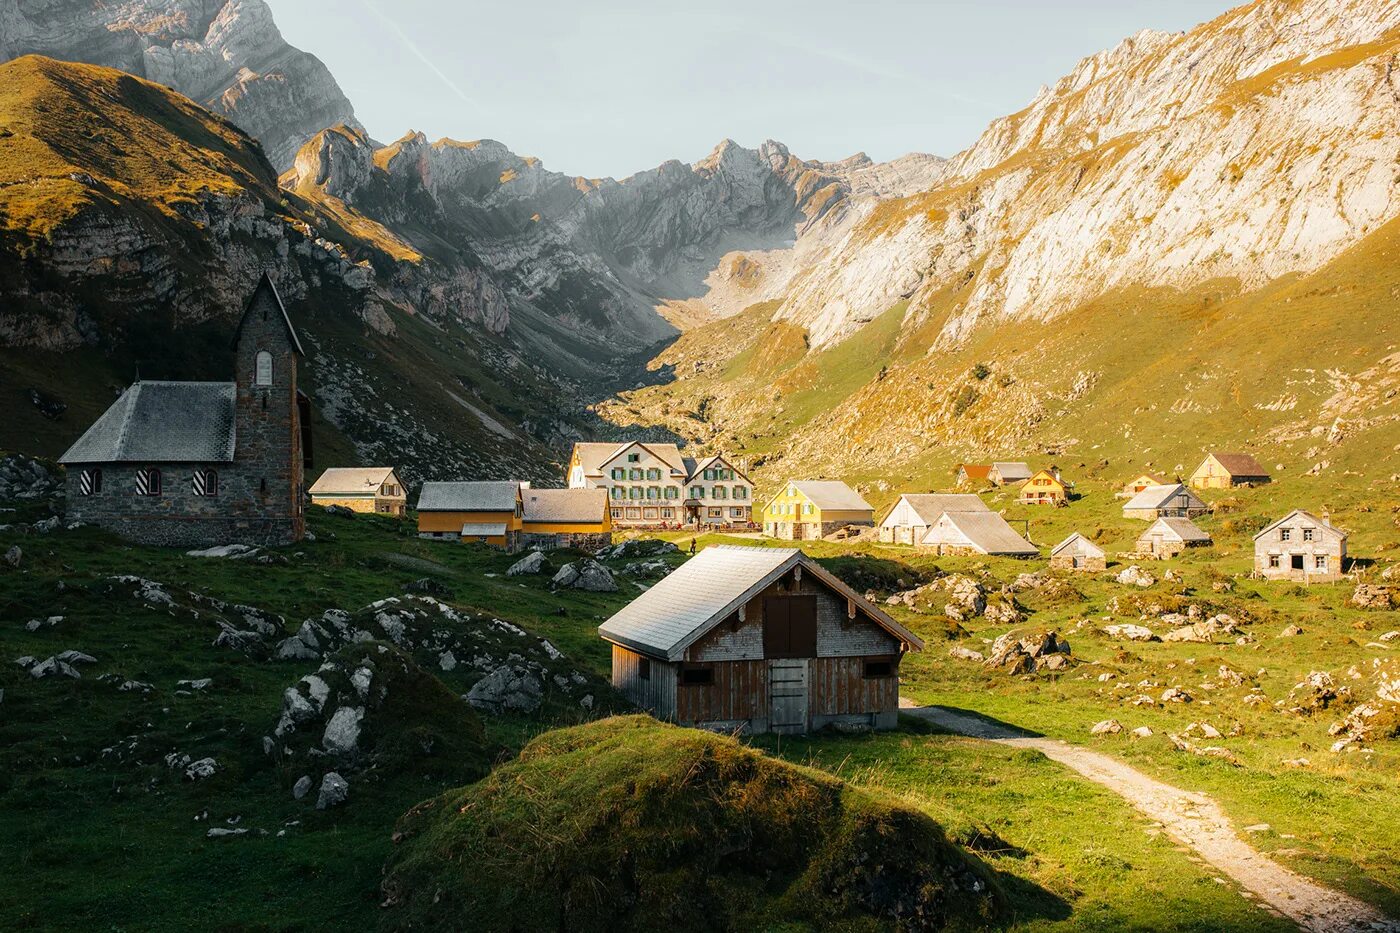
14	555
965	654
507	689
201	769
637	547
586	574
1142	732
427	586
1176	695
335	790
1135	576
1370	596
1130	632
533	562
1291	631
53	667
302	787
1107	727
342	735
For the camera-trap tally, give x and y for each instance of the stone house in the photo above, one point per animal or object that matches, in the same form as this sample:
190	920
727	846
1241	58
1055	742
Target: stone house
757	639
915	513
976	533
1008	473
554	518
372	490
1169	536
1223	470
1078	553
1301	547
809	510
1169	501
490	512
197	464
654	484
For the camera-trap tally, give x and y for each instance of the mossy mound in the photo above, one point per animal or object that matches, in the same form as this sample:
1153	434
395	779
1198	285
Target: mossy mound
370	708
626	823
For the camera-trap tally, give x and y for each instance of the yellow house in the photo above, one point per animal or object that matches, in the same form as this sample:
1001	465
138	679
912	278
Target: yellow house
1222	470
1044	488
486	512
1140	483
566	518
361	489
806	510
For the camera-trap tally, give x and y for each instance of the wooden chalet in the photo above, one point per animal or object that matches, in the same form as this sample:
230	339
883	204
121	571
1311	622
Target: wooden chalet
1139	483
1044	488
1223	470
758	639
484	512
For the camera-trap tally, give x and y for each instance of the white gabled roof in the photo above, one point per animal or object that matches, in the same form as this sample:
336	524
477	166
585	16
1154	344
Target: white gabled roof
1012	469
1302	513
989	533
350	481
1158	497
707	589
1077	538
1183	528
928	506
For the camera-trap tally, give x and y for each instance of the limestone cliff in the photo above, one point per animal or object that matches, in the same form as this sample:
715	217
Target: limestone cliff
227	55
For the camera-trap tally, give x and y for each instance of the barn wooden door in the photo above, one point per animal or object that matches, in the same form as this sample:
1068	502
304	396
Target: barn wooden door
789	640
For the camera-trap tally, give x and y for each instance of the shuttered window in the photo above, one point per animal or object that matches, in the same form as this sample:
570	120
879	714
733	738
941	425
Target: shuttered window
206	483
148	482
90	482
790	627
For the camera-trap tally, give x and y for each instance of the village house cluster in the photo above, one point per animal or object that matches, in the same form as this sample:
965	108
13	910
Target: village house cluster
755	639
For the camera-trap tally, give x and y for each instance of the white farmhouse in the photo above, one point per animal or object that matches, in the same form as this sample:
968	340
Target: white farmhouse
653	484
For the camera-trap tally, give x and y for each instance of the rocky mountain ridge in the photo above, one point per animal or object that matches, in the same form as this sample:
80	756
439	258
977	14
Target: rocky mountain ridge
227	55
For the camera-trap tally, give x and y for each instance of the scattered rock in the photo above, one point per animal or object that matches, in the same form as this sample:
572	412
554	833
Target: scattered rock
302	787
637	547
220	832
965	654
1176	695
1259	828
1142	732
1291	631
507	689
1371	597
534	562
586	574
51	667
335	790
427	586
342	735
1107	727
1135	576
14	555
201	769
1130	632
230	551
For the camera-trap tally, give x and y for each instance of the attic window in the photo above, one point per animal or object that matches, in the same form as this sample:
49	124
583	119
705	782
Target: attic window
1285	533
262	373
634	458
697	676
875	670
1307	534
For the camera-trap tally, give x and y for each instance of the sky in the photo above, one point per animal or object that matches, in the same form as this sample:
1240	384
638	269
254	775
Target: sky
607	87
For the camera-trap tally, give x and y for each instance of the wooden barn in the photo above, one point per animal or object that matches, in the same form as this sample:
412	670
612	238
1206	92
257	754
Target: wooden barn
974	474
1044	488
555	518
1223	470
758	639
484	512
1168	537
1078	553
1168	501
976	533
915	513
1301	547
1008	473
361	489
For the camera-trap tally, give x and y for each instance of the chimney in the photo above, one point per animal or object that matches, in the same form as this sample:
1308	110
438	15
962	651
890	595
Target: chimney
1326	517
1055	472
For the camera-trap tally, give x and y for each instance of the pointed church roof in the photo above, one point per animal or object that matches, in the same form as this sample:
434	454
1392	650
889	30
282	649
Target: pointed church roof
268	289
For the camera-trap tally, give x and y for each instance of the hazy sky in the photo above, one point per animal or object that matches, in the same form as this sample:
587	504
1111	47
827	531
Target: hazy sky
607	87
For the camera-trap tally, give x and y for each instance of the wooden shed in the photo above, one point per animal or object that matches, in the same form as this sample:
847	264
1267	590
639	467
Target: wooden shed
1008	472
1078	553
489	512
915	513
1222	470
1168	537
757	639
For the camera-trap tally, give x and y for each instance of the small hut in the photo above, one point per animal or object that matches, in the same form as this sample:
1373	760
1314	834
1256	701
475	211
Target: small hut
758	639
1168	537
1078	553
1301	547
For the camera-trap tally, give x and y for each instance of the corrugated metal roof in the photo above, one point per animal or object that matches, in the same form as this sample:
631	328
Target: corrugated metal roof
831	494
483	529
1012	470
350	481
1088	546
162	422
565	505
488	496
928	506
1160	497
1239	464
707	589
1183	528
990	533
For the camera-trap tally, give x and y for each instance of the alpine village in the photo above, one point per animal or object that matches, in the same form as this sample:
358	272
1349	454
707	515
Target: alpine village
409	536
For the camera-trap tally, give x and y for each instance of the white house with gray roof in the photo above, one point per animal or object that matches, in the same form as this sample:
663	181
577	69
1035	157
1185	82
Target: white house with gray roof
1302	547
976	533
194	464
1169	500
757	639
650	484
915	513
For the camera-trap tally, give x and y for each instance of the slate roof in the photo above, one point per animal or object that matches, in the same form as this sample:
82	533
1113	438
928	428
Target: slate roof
1012	471
1239	464
832	495
1302	513
990	534
709	588
162	422
265	284
928	506
1160	497
489	496
1075	537
565	505
350	481
1183	528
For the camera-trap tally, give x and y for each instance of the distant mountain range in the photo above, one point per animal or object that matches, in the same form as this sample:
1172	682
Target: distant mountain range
818	305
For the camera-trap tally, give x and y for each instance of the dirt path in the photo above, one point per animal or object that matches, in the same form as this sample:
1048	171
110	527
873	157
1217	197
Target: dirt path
1195	820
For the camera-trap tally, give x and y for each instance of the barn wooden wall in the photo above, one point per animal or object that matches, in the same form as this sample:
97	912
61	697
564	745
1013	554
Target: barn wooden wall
657	695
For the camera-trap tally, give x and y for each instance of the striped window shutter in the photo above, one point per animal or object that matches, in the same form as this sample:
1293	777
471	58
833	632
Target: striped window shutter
143	482
87	483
